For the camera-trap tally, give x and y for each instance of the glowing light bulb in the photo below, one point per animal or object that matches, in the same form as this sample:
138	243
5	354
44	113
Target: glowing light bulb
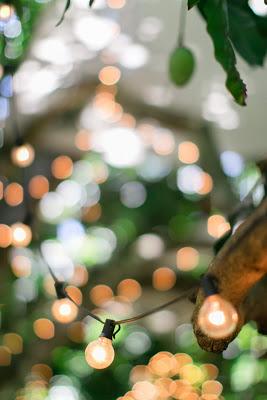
217	317
64	311
99	354
21	235
23	155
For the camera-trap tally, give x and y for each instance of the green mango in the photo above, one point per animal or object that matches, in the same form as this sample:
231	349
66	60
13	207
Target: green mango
181	66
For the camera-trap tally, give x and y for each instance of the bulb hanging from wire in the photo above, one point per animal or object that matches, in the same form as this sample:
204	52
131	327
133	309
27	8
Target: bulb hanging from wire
217	317
23	155
100	354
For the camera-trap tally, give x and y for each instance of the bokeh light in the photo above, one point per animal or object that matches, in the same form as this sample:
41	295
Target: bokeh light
164	278
187	258
64	311
23	155
217	225
21	235
5	236
188	152
44	328
13	194
100	294
130	289
62	167
38	186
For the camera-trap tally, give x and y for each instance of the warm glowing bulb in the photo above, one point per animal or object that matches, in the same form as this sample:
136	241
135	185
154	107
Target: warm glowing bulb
217	317
100	353
64	311
21	235
23	155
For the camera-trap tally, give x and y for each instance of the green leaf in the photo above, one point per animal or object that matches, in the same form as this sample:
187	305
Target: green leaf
215	12
191	3
67	6
245	32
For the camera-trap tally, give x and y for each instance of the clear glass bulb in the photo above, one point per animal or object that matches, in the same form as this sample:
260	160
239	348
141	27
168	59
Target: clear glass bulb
99	354
217	317
23	155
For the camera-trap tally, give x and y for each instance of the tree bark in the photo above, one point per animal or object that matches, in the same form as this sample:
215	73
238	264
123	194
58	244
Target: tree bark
238	266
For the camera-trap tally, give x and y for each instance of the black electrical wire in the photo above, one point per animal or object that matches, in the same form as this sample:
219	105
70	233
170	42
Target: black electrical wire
156	309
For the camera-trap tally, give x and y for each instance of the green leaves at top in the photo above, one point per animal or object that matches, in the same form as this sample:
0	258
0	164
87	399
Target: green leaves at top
215	12
191	3
246	32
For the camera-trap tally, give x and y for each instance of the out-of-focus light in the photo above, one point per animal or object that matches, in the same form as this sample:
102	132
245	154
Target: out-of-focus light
188	152
21	265
44	328
190	179
121	147
25	290
14	342
1	190
4	108
163	144
232	163
42	371
116	4
140	373
13	194
137	343
5	356
187	258
21	235
12	28
154	168
133	194
162	364
80	276
92	214
212	387
52	50
99	354
38	186
109	75
64	311
23	155
207	184
191	373
217	226
130	289
134	56
72	193
259	7
6	11
100	294
162	322
62	167
75	294
210	371
163	278
96	32
128	120
51	206
217	317
57	258
70	230
149	246
5	236
83	140
149	28
145	390
6	86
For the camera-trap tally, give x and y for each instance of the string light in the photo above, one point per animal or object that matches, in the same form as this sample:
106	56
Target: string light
217	317
100	354
23	155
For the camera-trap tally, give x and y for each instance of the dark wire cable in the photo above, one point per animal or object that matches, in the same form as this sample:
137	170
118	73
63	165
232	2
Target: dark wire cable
156	309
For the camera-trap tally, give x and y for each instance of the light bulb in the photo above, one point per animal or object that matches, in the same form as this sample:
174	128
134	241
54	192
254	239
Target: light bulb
64	311
23	155
99	354
217	317
21	235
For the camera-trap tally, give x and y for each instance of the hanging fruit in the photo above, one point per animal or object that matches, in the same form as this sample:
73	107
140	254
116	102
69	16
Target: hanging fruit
181	66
